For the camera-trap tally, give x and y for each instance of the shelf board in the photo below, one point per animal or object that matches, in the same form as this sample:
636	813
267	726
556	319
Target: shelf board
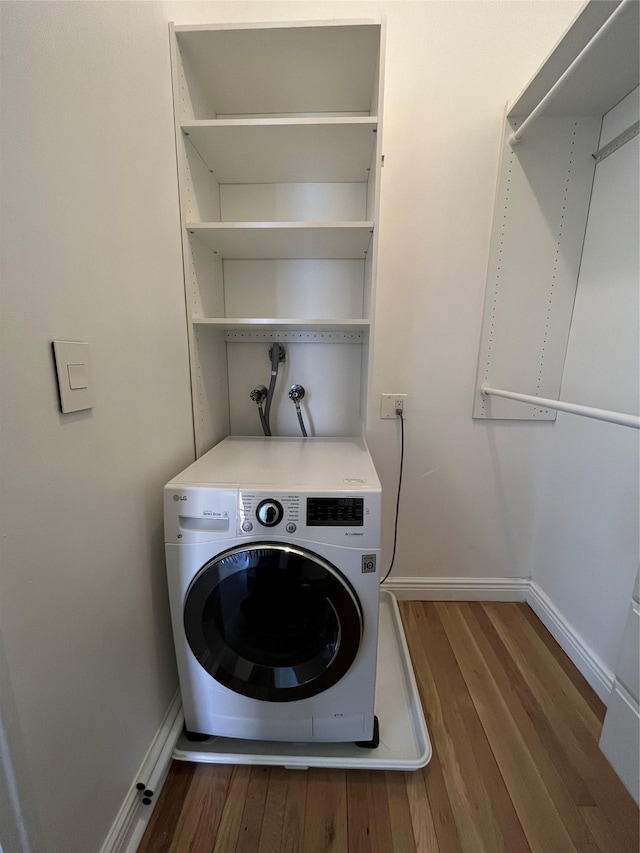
292	68
259	151
275	240
287	324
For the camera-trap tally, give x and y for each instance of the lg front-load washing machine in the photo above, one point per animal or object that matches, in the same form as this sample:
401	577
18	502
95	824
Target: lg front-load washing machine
273	548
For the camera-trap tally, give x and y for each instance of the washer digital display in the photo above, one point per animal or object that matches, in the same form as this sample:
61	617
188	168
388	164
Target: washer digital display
335	512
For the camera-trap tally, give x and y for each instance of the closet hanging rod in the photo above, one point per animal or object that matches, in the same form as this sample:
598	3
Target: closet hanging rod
572	408
516	136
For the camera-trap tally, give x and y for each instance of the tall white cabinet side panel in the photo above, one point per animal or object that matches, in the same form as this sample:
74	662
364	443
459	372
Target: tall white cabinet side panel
373	211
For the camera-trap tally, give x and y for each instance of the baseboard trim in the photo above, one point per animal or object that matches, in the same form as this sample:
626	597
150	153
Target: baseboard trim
132	819
458	589
592	667
597	674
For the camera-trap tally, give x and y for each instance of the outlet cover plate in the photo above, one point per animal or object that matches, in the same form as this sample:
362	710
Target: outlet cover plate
389	403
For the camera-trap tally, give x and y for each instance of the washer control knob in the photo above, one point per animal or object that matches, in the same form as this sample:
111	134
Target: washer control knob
291	528
247	526
269	512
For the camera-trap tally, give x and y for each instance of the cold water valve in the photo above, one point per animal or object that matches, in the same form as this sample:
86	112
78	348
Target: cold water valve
296	393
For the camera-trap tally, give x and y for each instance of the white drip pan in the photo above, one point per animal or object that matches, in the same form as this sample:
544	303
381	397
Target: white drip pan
404	740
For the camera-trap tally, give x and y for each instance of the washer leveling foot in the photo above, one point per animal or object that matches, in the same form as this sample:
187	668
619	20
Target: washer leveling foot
374	743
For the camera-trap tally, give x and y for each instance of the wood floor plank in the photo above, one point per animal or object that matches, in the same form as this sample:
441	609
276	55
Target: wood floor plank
547	677
381	805
361	820
534	790
175	793
543	702
273	819
487	805
231	817
453	760
444	820
197	825
588	694
325	825
294	812
422	823
253	812
617	817
400	834
586	765
548	666
498	821
547	756
611	836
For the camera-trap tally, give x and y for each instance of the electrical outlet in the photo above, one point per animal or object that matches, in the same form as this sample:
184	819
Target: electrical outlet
390	403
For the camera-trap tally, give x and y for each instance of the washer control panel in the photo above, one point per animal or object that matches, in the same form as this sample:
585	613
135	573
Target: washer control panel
350	519
257	511
335	512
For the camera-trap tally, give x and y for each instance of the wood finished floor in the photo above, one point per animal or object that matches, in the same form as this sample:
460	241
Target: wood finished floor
516	765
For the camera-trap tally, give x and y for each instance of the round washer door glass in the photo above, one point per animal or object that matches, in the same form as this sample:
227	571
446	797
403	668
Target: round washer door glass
273	622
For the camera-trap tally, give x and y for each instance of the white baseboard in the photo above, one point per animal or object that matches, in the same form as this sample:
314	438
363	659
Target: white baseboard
598	675
132	819
458	589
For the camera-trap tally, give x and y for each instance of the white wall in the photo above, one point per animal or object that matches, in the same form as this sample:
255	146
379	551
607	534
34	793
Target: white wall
91	251
451	68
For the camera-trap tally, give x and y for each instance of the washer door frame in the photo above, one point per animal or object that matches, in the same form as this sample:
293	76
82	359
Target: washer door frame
235	653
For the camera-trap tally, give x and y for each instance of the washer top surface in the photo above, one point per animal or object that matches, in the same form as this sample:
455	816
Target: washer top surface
330	464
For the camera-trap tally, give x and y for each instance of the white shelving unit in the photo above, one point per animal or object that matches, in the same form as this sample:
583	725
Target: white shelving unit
278	140
542	205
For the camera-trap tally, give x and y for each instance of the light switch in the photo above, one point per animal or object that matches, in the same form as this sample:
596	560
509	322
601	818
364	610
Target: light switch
73	368
77	376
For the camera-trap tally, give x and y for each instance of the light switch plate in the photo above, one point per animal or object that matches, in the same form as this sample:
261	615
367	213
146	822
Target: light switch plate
73	368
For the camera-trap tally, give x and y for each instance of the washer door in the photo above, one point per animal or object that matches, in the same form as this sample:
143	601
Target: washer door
273	622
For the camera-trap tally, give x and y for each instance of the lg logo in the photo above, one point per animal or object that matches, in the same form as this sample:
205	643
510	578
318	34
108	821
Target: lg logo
179	497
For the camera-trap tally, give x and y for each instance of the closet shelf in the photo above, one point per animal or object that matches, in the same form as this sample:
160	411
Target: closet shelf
307	67
596	64
284	324
278	240
285	150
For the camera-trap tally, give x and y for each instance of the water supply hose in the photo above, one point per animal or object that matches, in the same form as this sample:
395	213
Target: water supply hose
296	394
275	363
